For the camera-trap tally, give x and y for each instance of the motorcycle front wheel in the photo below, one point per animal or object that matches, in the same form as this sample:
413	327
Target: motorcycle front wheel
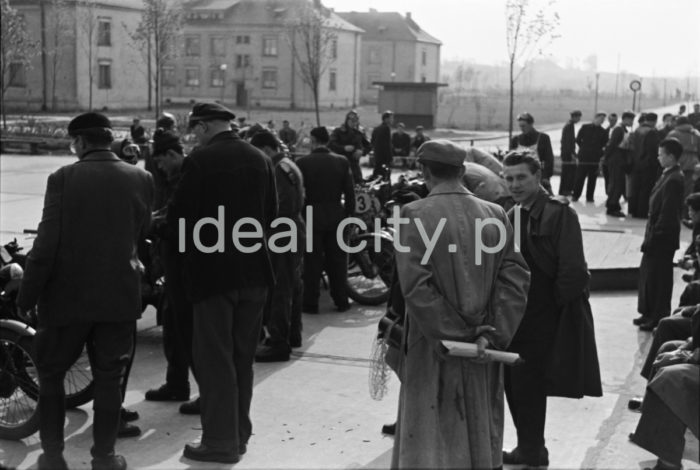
369	274
19	390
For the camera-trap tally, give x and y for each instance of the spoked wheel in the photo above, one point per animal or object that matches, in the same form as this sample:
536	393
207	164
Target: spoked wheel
78	383
369	274
19	392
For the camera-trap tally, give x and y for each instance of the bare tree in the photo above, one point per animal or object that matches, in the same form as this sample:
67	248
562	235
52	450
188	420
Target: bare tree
310	34
527	34
61	33
88	22
158	37
17	48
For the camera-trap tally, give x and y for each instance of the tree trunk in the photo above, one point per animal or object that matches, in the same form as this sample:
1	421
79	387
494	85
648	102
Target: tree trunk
149	79
511	102
318	115
4	109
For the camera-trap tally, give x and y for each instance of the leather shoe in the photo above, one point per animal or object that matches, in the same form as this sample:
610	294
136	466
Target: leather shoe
516	457
616	214
128	430
167	393
271	354
389	429
649	325
129	415
635	404
202	453
54	462
109	462
191	407
640	320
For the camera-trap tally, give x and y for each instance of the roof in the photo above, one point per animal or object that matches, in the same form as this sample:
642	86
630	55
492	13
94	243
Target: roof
210	5
388	26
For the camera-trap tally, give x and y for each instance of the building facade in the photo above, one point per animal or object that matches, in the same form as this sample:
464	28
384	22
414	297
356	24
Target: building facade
85	57
240	52
394	48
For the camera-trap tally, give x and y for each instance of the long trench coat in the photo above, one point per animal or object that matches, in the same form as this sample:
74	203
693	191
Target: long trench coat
451	409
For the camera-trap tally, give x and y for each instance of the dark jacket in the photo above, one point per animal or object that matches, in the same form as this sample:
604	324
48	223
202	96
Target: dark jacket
544	149
401	142
554	241
663	228
290	195
568	142
231	176
381	144
327	177
418	140
645	149
591	140
83	266
344	135
614	155
138	134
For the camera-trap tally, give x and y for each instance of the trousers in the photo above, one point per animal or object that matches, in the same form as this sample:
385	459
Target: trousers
326	253
586	170
109	347
225	337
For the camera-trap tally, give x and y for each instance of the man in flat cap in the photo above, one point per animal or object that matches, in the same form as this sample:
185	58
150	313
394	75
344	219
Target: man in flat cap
538	144
228	181
451	408
381	145
100	207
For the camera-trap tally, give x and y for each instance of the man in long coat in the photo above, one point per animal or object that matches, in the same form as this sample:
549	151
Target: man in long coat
555	338
451	409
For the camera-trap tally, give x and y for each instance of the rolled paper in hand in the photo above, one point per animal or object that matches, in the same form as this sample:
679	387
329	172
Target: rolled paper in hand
470	350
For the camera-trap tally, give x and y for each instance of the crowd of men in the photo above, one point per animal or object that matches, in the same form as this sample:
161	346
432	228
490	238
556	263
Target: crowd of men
529	298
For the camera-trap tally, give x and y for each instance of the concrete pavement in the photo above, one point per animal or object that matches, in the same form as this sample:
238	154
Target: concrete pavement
315	411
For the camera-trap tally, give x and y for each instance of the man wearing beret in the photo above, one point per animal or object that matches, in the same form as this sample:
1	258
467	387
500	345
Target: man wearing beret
451	408
96	211
224	181
555	338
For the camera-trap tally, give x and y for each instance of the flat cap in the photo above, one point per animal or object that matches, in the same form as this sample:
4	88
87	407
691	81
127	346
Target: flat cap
210	112
88	122
527	117
693	200
576	113
442	151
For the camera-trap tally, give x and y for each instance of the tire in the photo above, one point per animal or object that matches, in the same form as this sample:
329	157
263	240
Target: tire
375	289
78	383
19	392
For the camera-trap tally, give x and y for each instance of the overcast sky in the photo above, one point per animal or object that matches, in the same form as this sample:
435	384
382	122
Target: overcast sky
475	30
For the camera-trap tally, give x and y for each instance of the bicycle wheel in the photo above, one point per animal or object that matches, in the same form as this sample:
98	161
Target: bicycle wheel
78	383
19	392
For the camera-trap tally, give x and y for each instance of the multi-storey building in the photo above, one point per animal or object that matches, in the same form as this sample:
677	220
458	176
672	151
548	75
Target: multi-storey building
394	48
85	57
240	52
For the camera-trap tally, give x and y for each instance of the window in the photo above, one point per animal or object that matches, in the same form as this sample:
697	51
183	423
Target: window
270	47
104	77
242	39
371	78
424	57
334	49
168	76
333	80
217	47
217	77
242	60
269	79
375	56
192	46
104	32
18	78
192	76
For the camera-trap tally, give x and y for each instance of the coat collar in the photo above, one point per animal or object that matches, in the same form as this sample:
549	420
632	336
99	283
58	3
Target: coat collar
321	150
222	136
99	156
538	206
449	188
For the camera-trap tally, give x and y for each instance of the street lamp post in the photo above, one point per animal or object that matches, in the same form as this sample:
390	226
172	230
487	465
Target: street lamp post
223	68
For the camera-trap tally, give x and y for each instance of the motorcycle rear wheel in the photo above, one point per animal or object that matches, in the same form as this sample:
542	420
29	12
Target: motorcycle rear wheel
374	289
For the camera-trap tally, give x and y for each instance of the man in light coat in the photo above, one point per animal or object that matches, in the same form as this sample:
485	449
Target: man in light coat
451	409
